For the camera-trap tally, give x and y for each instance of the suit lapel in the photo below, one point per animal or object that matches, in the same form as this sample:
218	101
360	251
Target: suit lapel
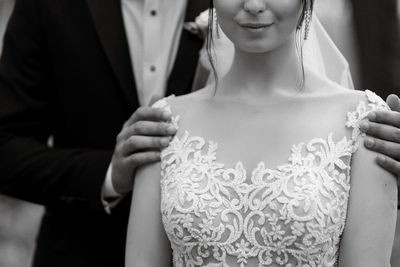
108	21
182	75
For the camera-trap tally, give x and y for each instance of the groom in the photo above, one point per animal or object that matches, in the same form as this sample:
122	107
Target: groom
75	71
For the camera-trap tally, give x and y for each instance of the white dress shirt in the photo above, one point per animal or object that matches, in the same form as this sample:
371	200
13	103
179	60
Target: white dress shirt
153	29
6	7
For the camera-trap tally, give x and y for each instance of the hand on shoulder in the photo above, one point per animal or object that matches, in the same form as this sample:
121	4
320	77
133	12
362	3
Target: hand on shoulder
142	137
383	130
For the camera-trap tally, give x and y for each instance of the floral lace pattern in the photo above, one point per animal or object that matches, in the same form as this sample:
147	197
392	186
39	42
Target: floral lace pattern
290	216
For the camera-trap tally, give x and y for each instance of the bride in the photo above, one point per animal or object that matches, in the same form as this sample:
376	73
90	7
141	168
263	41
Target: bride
266	168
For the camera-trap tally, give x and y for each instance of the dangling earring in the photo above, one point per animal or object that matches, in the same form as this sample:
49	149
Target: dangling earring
216	24
308	16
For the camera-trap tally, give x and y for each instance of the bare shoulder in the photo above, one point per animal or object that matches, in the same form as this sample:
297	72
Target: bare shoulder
352	99
340	96
347	97
188	104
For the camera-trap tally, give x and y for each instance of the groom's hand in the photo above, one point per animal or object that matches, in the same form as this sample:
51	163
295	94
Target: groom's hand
383	129
142	137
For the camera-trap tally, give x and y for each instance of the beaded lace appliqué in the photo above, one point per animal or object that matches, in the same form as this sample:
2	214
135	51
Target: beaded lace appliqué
290	216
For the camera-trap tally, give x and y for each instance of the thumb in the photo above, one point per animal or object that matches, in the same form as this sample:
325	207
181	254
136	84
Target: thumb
154	98
394	102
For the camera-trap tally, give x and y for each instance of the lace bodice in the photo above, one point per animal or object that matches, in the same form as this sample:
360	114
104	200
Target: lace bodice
292	215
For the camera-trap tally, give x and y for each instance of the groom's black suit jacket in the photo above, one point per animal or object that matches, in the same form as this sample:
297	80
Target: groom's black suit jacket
65	72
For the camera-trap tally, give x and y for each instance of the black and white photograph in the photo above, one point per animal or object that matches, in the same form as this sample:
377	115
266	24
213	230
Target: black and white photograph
199	133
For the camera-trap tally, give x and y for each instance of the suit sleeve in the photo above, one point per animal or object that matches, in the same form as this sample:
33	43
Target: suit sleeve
29	168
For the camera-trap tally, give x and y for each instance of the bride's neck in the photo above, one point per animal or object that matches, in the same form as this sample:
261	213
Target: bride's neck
277	72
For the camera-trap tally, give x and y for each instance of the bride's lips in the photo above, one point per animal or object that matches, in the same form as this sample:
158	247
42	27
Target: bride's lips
255	26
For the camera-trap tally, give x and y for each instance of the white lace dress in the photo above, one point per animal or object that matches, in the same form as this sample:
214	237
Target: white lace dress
292	215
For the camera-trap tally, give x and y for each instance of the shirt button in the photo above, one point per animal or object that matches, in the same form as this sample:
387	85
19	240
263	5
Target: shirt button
153	68
153	12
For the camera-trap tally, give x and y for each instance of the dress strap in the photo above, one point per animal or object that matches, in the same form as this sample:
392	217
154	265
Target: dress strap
354	118
164	104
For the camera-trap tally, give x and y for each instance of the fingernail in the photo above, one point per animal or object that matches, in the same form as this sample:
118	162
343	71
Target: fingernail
167	115
171	129
381	159
369	142
372	116
165	141
364	126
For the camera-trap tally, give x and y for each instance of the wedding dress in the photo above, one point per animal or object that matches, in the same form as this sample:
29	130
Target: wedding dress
292	215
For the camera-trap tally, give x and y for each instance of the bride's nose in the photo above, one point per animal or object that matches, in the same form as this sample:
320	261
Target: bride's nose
255	6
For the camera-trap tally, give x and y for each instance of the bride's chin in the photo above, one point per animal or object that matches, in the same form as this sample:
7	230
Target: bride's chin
251	48
261	46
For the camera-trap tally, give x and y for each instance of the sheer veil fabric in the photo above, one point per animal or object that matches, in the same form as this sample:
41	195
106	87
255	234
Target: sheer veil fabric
320	55
323	57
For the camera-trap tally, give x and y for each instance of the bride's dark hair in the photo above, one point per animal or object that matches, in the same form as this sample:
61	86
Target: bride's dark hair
306	14
307	10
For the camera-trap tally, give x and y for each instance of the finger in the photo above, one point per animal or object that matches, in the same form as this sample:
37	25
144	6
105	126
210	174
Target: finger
148	114
154	99
148	128
389	164
142	158
386	148
394	102
385	117
381	131
143	143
